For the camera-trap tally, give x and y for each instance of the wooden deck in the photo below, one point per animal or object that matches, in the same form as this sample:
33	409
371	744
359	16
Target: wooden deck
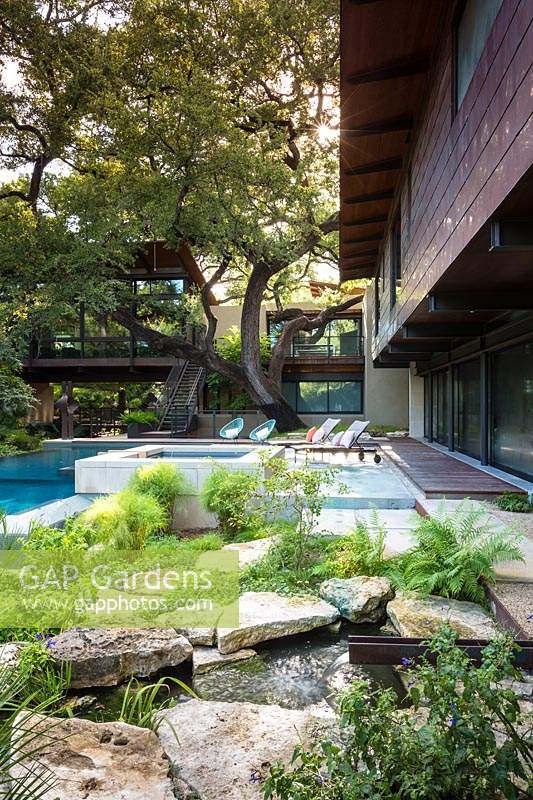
441	475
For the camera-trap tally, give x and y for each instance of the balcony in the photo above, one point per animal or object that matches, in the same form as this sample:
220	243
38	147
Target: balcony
329	348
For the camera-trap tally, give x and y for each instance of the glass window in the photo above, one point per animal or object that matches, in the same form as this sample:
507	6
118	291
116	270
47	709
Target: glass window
322	396
512	409
312	396
345	396
467	408
472	33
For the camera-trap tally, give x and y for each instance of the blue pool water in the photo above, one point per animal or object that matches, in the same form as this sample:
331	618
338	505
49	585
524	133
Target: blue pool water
27	481
199	453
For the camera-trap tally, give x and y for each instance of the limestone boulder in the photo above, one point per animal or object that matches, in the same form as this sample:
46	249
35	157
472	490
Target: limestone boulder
84	759
268	615
223	751
358	599
10	654
205	659
108	656
251	552
423	616
198	636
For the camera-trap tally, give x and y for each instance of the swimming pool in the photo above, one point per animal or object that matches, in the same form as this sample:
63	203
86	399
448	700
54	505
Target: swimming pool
201	453
32	479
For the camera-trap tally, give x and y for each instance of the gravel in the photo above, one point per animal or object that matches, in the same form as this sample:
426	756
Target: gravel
518	599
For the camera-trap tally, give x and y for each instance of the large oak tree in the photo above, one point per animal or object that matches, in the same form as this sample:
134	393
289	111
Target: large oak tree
205	121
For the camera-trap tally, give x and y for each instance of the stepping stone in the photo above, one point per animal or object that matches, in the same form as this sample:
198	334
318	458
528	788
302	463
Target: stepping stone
223	751
251	552
413	616
267	615
198	636
108	656
204	659
84	759
10	654
359	599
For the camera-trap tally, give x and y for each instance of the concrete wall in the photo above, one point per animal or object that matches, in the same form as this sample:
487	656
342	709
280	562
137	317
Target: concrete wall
44	411
416	403
386	389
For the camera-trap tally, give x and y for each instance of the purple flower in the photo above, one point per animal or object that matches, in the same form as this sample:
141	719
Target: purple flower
406	662
529	617
50	642
255	776
39	636
410	684
452	722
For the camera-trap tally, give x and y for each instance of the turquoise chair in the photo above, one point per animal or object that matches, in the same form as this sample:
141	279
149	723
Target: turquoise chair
263	431
232	429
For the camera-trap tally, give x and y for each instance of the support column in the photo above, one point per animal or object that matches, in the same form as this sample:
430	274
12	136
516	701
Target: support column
451	445
416	403
484	445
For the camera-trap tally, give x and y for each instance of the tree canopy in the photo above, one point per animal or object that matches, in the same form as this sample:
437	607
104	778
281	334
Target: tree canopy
209	121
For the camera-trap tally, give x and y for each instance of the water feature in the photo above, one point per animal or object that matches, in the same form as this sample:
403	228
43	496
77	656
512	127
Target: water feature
293	672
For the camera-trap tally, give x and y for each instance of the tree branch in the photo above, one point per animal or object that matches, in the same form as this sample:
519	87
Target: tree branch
297	321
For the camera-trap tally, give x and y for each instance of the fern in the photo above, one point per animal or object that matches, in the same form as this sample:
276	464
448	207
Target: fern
456	553
360	553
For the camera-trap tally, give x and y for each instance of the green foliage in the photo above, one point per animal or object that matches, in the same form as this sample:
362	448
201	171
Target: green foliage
139	418
46	537
230	495
512	501
164	482
381	430
23	441
9	539
141	703
298	493
229	347
284	569
454	752
360	553
22	736
16	396
124	520
455	553
47	679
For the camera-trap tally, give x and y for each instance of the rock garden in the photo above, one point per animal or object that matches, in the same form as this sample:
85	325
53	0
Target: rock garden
216	712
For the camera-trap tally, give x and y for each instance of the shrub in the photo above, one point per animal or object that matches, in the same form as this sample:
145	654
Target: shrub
229	495
139	418
23	441
360	553
164	482
455	553
388	754
123	520
512	501
45	537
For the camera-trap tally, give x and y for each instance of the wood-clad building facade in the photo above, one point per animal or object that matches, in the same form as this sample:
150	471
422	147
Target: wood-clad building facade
437	208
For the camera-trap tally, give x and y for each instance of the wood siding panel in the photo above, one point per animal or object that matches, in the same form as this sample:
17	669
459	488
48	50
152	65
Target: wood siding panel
461	169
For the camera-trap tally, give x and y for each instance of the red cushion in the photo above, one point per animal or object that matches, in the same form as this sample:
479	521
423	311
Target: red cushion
310	433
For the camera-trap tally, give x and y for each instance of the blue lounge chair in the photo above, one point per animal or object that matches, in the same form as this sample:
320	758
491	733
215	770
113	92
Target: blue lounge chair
263	431
232	429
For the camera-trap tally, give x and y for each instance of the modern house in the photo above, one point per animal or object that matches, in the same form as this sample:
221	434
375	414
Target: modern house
437	209
329	376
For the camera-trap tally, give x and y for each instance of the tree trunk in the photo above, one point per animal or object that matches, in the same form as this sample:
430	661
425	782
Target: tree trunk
270	401
286	417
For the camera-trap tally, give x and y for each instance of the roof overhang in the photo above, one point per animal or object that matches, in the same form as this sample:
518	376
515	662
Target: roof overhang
387	47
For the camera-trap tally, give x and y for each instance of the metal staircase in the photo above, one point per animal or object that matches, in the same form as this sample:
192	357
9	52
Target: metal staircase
179	399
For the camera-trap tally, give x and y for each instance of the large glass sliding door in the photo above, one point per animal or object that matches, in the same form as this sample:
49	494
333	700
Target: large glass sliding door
512	409
467	408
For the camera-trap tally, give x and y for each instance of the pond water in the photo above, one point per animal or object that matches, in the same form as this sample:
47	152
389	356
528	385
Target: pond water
293	672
